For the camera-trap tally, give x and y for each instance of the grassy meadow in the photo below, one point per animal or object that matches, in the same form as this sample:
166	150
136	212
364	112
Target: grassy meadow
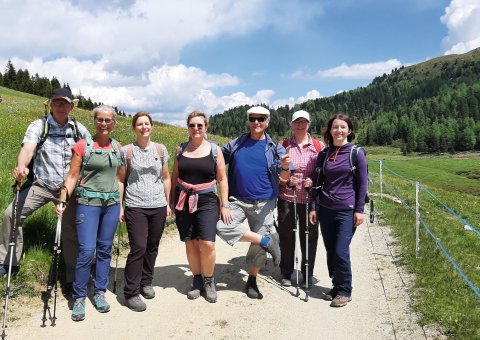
440	293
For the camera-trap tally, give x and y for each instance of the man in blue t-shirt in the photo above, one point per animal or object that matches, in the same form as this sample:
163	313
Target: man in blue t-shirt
255	164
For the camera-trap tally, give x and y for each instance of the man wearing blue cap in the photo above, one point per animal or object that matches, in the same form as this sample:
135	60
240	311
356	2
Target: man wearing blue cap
255	164
47	143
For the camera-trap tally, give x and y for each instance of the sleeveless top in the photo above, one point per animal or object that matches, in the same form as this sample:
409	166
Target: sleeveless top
198	171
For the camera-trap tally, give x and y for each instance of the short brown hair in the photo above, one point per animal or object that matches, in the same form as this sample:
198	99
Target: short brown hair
198	114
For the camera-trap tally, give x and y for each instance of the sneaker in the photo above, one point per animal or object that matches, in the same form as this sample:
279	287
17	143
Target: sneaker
101	303
135	303
4	270
78	310
197	287
340	301
252	288
331	294
210	292
273	247
147	292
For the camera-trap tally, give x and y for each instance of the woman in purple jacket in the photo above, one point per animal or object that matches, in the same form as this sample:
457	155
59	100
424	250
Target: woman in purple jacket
340	200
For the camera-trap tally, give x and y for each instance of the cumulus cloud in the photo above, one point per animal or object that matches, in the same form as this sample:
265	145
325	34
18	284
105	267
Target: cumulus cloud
127	52
462	19
355	71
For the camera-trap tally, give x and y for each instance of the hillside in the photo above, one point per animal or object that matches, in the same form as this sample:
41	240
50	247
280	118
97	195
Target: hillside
432	106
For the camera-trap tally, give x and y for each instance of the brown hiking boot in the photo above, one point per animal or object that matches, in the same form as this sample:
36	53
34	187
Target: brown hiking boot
340	301
331	294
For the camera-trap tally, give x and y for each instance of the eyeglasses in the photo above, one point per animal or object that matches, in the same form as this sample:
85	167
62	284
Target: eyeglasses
257	119
195	126
104	120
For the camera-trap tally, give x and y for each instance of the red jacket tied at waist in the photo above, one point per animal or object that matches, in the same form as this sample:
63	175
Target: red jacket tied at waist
194	190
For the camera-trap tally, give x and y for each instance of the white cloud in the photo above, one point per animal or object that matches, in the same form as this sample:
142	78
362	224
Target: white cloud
126	52
355	71
462	18
312	94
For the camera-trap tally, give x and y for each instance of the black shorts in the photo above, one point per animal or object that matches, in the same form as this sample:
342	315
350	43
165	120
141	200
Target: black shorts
201	225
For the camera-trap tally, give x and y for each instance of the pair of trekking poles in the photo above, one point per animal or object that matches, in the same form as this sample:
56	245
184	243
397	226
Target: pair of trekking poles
296	230
53	274
52	283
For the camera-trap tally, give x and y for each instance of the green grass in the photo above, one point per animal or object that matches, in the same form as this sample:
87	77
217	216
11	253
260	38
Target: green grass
440	294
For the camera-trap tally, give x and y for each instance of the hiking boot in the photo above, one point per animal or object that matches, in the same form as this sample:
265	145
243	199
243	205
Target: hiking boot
210	292
340	301
286	280
78	310
135	303
331	294
252	288
147	292
101	303
197	287
273	247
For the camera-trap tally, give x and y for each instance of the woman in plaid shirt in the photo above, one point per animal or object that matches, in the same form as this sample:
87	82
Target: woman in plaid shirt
303	150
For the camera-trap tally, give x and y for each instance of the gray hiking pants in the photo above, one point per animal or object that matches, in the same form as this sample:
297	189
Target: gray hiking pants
31	199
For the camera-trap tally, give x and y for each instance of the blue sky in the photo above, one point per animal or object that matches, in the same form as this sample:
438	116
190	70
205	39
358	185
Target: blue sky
172	57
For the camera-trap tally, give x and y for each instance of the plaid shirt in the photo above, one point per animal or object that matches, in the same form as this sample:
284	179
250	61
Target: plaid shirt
303	159
52	161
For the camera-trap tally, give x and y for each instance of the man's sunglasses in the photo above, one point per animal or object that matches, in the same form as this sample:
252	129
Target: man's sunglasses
257	119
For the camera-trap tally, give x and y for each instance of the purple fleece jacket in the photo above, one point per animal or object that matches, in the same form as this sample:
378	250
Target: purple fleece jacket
339	188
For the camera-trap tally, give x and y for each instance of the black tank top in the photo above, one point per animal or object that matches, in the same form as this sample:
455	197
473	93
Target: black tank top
198	171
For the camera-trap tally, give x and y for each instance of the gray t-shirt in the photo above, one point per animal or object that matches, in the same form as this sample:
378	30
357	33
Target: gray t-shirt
144	187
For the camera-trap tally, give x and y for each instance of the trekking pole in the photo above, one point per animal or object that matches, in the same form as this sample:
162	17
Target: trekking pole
116	261
52	283
306	245
297	235
372	211
11	247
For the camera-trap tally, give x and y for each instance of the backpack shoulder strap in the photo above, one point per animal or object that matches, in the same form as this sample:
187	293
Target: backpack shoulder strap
116	150
214	151
158	146
183	146
76	134
285	143
326	152
317	144
128	159
44	133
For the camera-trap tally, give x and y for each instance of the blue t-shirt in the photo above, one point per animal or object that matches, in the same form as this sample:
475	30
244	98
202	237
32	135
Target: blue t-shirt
251	180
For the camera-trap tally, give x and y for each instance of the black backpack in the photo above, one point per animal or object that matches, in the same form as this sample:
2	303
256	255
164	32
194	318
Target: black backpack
43	137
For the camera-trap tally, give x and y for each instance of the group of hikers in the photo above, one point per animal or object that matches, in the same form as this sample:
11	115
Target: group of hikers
95	183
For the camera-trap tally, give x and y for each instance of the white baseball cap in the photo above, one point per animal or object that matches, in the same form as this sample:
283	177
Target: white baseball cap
259	110
301	114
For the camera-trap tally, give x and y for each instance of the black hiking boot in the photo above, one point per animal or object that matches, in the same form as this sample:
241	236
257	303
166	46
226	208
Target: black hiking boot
252	288
197	287
273	247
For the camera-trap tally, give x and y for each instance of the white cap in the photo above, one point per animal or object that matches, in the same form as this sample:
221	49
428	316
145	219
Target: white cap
260	110
301	114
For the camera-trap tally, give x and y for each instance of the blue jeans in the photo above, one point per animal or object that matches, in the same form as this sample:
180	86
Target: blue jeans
338	228
96	229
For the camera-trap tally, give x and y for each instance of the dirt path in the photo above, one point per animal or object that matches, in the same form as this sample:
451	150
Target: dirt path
379	309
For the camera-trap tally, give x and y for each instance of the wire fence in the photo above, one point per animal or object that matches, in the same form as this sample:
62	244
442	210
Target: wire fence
440	222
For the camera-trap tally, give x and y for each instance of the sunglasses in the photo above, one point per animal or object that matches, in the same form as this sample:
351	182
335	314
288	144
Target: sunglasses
103	120
195	126
257	119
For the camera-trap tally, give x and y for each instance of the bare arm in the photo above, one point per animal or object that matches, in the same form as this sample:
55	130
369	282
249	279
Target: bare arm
24	157
72	178
121	177
167	186
174	181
